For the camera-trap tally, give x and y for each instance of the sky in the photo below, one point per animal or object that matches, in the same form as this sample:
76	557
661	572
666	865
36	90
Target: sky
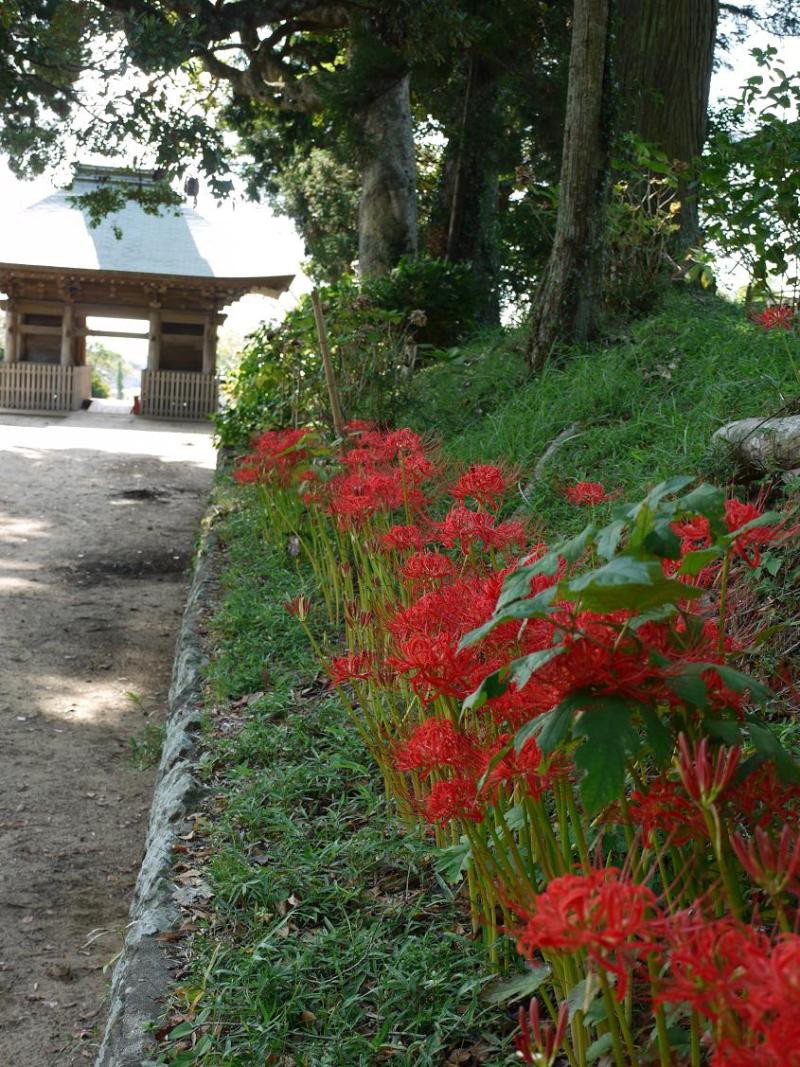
260	224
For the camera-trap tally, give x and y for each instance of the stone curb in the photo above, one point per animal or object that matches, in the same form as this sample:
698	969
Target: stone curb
142	972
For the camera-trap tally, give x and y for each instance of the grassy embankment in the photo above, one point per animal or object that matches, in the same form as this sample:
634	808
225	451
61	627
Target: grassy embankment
330	939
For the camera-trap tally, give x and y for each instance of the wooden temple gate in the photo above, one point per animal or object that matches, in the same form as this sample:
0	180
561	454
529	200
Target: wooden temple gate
47	308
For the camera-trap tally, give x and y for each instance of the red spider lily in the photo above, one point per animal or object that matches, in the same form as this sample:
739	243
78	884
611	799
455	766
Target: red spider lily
665	807
485	484
747	545
276	456
590	493
762	800
708	963
428	567
704	775
614	920
773	867
355	667
777	317
437	743
406	538
452	800
513	767
466	528
537	1044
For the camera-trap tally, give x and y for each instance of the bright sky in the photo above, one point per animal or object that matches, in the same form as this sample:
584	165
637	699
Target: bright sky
253	218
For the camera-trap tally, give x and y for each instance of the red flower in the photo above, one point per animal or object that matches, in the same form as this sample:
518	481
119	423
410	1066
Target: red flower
355	667
428	567
436	743
666	807
777	317
587	493
746	545
405	538
486	484
773	867
452	800
614	920
705	775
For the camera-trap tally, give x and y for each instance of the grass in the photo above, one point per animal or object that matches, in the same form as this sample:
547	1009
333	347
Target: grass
330	938
646	403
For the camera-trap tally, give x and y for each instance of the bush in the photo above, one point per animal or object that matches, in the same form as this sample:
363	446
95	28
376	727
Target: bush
100	388
379	332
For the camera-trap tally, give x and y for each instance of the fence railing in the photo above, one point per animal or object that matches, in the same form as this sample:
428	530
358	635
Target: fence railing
178	394
43	386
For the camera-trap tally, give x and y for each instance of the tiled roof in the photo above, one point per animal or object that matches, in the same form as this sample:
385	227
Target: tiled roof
54	233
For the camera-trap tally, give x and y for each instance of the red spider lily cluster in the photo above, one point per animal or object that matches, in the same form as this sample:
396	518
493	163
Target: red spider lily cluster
574	722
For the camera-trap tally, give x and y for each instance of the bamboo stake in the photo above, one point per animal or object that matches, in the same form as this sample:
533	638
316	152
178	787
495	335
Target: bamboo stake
333	392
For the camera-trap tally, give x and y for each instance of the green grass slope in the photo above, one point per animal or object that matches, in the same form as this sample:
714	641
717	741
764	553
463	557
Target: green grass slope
646	403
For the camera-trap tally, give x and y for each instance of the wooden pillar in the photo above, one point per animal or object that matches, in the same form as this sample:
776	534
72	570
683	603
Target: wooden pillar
67	335
154	341
12	334
210	344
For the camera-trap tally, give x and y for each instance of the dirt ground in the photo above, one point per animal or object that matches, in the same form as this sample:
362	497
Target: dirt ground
97	517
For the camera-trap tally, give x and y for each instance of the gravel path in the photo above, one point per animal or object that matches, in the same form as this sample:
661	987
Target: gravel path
97	517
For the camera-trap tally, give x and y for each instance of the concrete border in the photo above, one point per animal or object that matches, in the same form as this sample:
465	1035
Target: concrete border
143	970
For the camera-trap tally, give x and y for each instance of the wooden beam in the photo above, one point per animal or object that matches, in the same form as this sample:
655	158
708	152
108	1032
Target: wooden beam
66	336
87	332
210	345
12	326
154	345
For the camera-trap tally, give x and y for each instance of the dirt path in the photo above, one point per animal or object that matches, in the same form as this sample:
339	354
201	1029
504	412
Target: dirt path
97	517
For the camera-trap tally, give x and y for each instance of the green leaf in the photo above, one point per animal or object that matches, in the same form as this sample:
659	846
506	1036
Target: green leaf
709	501
607	540
628	584
658	736
599	1048
552	727
691	688
518	671
538	606
609	736
517	585
521	985
694	562
662	541
767	744
583	995
451	862
181	1030
725	730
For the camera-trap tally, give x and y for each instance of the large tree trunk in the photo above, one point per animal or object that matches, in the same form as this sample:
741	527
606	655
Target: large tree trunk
665	50
387	214
473	209
566	302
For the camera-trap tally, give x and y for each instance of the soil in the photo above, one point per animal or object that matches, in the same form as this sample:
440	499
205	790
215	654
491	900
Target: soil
97	517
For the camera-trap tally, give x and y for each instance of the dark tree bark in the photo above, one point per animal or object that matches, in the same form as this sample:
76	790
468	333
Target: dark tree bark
565	305
472	217
387	214
664	55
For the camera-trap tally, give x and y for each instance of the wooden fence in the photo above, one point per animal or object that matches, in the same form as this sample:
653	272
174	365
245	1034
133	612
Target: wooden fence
178	394
43	386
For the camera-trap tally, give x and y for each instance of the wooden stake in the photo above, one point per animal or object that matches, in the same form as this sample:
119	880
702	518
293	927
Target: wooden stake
333	392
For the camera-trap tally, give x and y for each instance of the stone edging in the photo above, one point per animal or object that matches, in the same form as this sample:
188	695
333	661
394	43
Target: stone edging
142	972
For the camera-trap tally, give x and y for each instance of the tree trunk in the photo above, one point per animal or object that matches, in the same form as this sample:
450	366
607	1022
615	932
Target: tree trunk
387	213
565	305
473	216
665	50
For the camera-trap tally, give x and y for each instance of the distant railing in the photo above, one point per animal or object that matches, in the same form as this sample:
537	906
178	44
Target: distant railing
178	394
43	386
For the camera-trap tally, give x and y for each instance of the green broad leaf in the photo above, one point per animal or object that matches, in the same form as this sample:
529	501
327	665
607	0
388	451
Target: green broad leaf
626	584
725	730
182	1030
662	541
767	744
691	688
550	728
518	672
658	735
609	736
451	862
769	518
521	985
538	606
583	995
517	584
599	1048
607	540
740	683
496	758
658	614
709	501
694	562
